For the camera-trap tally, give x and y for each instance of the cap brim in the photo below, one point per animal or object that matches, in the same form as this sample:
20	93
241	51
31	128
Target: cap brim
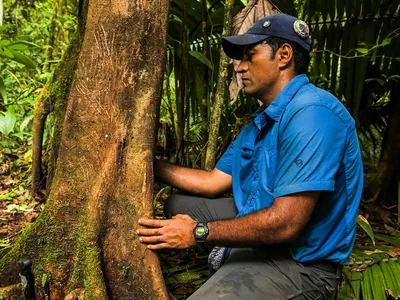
234	45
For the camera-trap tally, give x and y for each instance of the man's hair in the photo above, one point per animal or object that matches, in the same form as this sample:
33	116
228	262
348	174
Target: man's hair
300	55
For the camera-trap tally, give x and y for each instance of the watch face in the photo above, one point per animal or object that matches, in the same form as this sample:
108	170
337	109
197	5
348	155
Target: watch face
201	231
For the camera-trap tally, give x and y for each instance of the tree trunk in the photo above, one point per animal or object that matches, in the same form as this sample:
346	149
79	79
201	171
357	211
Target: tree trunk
220	92
84	242
204	106
53	99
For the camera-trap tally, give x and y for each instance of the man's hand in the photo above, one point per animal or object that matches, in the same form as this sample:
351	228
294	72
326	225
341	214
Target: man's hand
176	233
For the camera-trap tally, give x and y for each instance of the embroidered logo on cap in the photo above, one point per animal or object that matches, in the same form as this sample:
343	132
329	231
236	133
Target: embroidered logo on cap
266	24
301	28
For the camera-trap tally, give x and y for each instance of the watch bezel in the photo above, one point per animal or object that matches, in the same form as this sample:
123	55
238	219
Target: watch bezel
203	236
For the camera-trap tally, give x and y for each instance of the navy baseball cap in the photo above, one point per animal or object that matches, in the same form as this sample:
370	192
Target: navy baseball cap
276	25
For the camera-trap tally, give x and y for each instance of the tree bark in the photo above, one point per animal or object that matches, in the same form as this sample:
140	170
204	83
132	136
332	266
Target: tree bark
220	92
204	107
53	99
84	242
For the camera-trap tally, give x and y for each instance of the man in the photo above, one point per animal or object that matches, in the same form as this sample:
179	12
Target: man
296	174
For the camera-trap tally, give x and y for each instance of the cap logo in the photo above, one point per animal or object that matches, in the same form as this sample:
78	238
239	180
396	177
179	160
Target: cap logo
301	28
266	24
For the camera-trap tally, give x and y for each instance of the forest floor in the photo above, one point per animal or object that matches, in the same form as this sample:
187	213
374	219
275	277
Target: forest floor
184	271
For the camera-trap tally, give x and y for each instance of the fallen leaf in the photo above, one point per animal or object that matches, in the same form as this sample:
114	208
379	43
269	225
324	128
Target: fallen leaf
390	228
394	252
75	294
8	180
373	252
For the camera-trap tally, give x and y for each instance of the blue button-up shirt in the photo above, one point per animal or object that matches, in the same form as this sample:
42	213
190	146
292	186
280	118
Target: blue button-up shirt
305	140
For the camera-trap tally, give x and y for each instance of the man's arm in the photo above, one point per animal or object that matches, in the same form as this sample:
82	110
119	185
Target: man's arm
200	182
280	223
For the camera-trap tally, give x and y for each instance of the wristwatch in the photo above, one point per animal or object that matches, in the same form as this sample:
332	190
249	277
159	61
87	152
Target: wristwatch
200	232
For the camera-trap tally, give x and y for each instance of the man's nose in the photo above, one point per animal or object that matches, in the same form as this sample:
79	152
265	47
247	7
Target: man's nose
242	68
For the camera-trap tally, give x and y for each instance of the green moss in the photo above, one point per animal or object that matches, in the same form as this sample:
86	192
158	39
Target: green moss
11	292
45	279
86	270
125	270
128	206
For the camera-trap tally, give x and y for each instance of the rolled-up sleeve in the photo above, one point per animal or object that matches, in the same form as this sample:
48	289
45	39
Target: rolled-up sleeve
225	162
311	146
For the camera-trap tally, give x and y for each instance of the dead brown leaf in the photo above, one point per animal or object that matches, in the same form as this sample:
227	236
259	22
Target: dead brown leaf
394	252
75	294
8	180
390	228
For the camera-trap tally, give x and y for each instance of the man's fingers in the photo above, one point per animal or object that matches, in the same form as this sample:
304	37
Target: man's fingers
151	222
181	216
159	246
151	239
149	231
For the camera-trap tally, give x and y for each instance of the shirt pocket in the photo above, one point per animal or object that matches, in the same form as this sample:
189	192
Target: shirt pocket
268	168
246	163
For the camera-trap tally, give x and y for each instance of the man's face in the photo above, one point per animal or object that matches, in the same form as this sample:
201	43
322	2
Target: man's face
259	71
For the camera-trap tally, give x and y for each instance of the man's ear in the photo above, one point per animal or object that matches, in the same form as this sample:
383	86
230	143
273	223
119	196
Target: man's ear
285	55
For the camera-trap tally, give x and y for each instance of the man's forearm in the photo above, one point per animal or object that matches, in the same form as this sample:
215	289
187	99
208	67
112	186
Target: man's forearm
281	223
193	181
248	231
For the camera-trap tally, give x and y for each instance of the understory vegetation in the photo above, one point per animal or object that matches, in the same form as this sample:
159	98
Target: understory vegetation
355	56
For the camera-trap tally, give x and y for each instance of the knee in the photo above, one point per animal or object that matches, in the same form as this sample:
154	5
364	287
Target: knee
172	204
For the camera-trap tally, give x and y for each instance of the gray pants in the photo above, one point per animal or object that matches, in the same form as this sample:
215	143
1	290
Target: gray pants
255	273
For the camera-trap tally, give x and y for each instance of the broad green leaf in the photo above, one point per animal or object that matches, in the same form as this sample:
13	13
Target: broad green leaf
8	196
395	268
19	57
355	282
202	58
25	122
4	27
19	135
363	222
8	53
390	278
16	207
3	89
7	123
366	288
21	45
389	239
28	154
4	43
378	283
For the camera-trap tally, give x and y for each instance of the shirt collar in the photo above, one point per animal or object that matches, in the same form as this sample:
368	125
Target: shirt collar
276	108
